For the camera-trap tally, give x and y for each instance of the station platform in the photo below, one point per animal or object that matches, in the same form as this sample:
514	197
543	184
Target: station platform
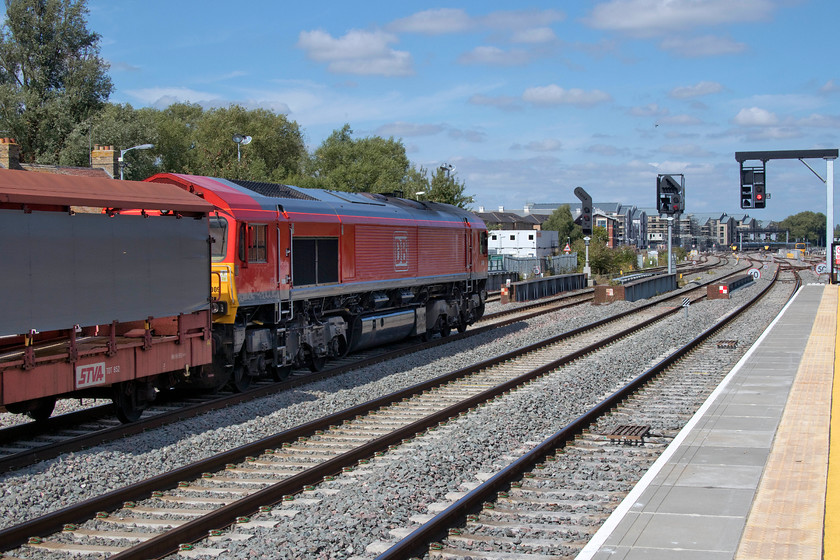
753	474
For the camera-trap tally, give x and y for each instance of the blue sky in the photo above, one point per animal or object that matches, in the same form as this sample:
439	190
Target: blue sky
527	102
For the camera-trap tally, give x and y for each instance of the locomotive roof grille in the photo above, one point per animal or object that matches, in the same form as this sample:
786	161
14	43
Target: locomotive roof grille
273	190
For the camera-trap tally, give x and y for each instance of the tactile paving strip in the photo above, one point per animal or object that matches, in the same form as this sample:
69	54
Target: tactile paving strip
787	516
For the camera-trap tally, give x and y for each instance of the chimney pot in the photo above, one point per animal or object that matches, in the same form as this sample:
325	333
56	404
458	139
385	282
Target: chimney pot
9	154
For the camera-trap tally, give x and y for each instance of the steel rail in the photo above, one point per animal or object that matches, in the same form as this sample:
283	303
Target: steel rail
14	536
419	540
98	437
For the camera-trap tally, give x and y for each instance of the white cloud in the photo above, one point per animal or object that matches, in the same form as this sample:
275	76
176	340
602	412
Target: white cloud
680	120
649	110
754	116
534	36
503	102
521	19
403	129
654	17
708	45
697	90
162	97
468	135
434	22
547	145
357	52
556	95
820	121
495	56
830	87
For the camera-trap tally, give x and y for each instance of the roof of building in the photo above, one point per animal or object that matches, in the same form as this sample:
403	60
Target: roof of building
65	170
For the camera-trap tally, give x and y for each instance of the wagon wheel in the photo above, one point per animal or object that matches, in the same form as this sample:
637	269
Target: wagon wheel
128	404
240	380
41	409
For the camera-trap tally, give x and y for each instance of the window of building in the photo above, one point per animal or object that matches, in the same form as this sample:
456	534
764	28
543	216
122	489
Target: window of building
513	238
530	237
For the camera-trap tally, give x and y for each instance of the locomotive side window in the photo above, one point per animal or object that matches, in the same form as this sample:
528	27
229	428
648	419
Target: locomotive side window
218	235
314	261
484	242
257	252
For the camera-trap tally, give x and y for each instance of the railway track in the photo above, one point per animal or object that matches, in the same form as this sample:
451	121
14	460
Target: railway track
551	500
280	456
24	444
27	443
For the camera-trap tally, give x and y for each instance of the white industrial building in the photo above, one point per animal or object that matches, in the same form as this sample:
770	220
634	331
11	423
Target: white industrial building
523	242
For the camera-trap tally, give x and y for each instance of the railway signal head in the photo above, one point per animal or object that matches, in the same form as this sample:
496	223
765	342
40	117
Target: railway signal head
670	194
585	210
753	194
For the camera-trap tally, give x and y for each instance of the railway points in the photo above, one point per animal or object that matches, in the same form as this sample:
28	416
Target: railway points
749	477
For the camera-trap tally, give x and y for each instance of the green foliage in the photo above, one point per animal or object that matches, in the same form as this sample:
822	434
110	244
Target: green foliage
561	221
51	75
115	125
447	189
274	154
374	164
603	260
371	164
805	226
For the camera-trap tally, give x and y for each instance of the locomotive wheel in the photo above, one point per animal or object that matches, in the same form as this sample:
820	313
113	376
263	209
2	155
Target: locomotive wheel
128	404
279	373
462	325
445	327
241	380
315	363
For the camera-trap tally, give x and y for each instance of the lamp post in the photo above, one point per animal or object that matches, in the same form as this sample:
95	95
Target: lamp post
447	168
586	269
121	160
670	254
241	140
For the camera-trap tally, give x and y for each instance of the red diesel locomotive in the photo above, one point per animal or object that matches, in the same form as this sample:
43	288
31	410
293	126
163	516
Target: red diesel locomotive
123	289
303	275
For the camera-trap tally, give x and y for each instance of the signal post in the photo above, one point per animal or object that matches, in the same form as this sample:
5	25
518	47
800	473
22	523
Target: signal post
753	186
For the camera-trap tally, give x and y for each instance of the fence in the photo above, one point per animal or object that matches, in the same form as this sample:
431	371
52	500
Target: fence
529	267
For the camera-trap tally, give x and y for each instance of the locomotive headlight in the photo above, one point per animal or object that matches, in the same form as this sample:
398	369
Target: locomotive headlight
223	275
218	307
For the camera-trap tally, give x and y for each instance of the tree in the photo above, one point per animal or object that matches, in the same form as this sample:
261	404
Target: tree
371	164
446	188
120	126
561	221
51	75
806	226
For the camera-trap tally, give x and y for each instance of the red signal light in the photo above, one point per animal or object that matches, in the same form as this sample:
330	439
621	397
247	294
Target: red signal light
759	196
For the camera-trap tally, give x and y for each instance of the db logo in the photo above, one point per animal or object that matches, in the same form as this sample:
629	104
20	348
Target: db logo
400	251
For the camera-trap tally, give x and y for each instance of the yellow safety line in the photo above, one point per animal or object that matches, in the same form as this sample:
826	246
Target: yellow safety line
831	535
788	514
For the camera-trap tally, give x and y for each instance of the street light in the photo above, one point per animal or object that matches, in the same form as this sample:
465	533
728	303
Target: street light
447	168
121	159
241	140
